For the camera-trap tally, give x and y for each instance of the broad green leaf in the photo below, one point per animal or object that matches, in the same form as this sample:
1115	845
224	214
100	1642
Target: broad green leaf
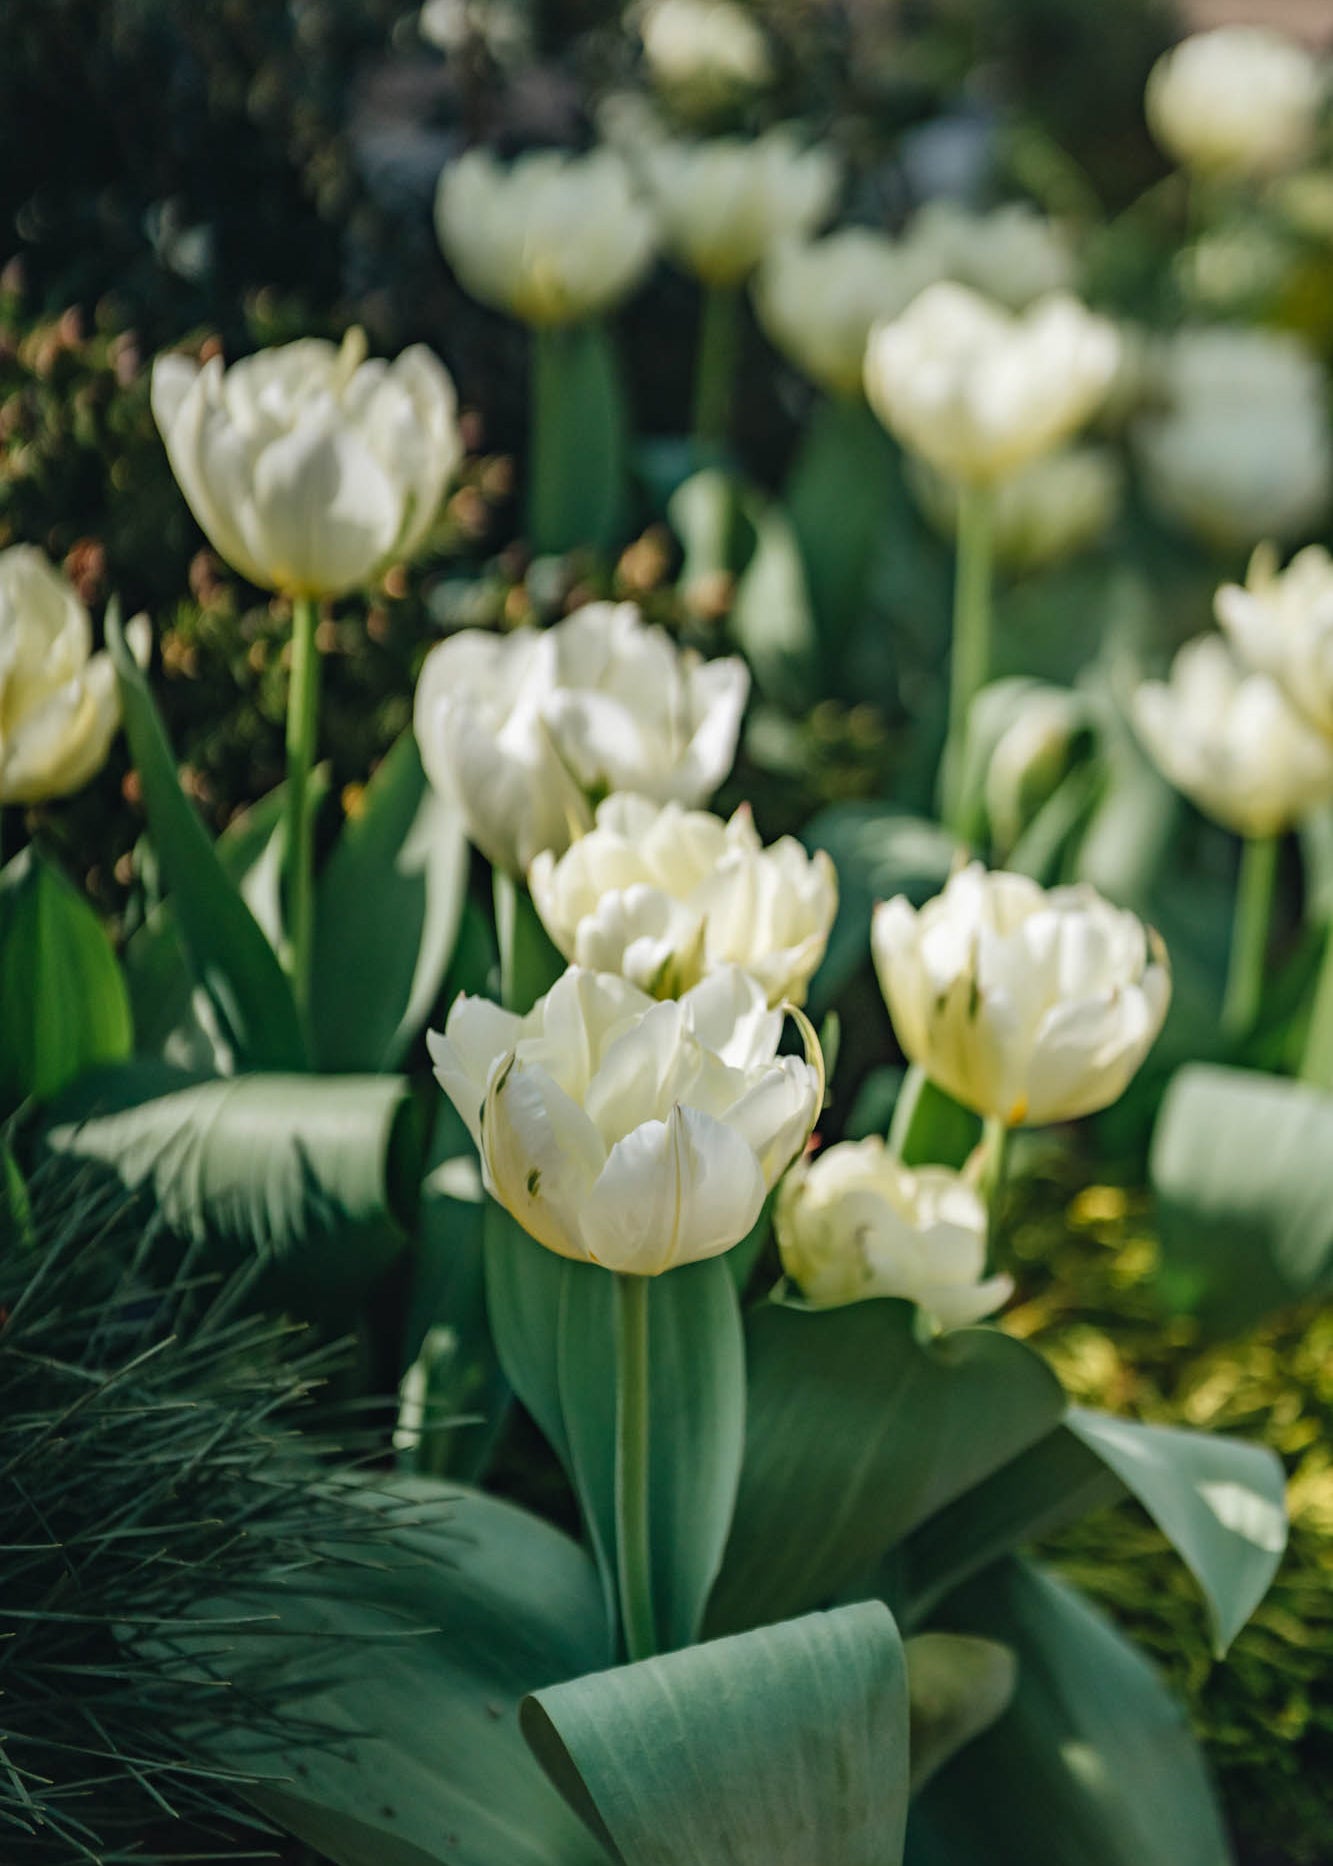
1093	1764
786	1746
524	1285
929	1128
771	619
387	911
957	1686
576	495
314	1175
837	497
1242	1166
855	1433
63	1003
529	962
228	953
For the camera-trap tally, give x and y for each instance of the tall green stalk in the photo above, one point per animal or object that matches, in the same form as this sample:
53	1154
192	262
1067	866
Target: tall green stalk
1317	1057
633	1543
299	846
715	368
969	666
995	1159
1249	935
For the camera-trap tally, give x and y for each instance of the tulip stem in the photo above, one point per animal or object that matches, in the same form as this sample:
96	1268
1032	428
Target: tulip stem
715	370
299	847
969	666
1249	935
633	1544
1317	1056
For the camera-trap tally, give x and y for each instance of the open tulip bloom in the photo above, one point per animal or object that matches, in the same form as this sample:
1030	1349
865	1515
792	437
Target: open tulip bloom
59	709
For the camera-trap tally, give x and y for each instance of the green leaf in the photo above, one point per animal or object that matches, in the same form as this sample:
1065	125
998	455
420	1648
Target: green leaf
786	1746
930	1128
578	460
957	1685
771	618
387	912
838	494
1093	1764
1242	1166
63	1004
313	1175
524	1288
856	1432
228	953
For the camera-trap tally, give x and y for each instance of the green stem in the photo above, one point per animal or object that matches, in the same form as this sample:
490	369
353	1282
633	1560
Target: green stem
504	894
969	666
1317	1057
1249	935
299	846
995	1159
633	1545
715	369
546	499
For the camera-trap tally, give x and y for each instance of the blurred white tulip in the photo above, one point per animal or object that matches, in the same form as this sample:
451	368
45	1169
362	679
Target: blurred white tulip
310	469
1027	1005
1011	254
1281	623
1047	511
724	203
59	707
855	1222
704	54
628	1132
1238	102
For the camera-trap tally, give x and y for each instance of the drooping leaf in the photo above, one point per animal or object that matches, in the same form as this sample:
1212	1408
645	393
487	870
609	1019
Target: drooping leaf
957	1686
576	495
787	1745
63	1003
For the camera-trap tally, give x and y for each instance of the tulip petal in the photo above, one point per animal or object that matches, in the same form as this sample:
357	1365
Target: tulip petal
672	1192
542	1154
477	1035
330	512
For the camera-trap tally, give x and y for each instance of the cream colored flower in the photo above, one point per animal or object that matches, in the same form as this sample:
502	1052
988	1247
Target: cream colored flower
551	238
818	300
59	707
705	54
1011	254
722	204
1026	1004
1240	101
1281	623
310	469
527	730
1053	508
628	1132
665	895
1233	742
980	393
855	1222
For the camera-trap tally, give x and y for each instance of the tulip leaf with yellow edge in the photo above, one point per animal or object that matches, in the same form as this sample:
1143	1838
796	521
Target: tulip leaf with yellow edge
856	1432
1093	1764
63	1003
787	1746
392	888
227	951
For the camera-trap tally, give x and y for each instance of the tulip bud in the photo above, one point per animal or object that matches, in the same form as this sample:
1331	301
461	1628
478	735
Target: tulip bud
1233	742
1025	1004
705	54
1047	511
664	896
1030	757
59	707
1011	254
626	1132
524	731
1240	102
1281	623
551	239
309	469
979	393
819	300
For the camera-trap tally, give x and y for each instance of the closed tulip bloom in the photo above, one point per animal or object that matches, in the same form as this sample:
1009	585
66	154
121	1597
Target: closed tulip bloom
979	393
551	238
855	1222
1027	1005
526	731
1049	510
1281	623
309	468
1011	254
819	299
705	54
1239	102
59	708
665	896
722	204
1233	741
624	1131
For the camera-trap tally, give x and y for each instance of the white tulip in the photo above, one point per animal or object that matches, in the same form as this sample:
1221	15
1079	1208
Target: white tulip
551	238
1233	741
1240	101
705	53
525	731
665	896
1027	1005
1242	450
1011	254
978	392
1281	623
1047	511
722	204
855	1222
818	300
310	469
628	1132
59	707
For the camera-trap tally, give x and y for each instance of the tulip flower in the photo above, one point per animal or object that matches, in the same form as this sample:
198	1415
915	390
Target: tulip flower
1281	623
1238	103
664	896
1010	254
1028	1005
525	730
855	1222
705	55
59	708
